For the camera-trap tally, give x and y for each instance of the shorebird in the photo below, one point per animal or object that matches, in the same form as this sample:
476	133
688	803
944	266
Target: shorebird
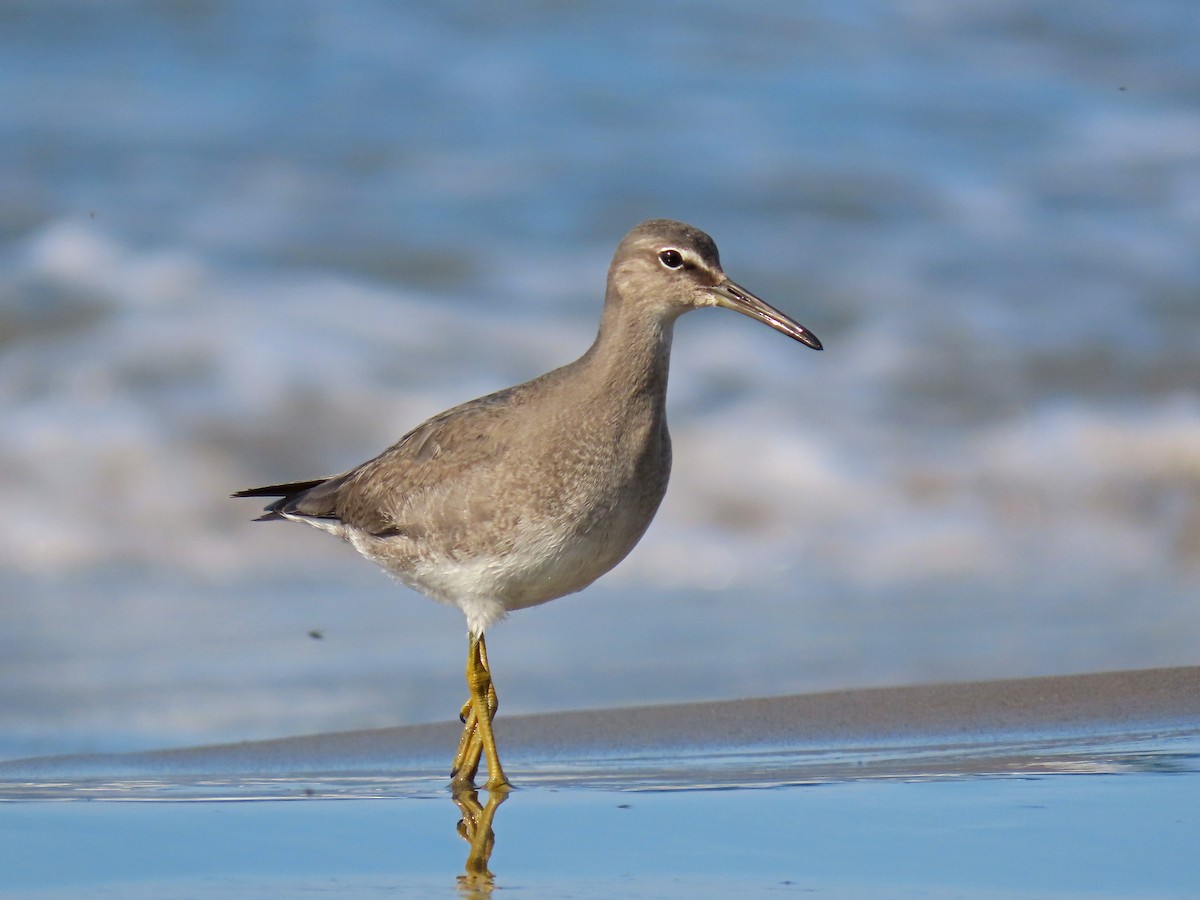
535	491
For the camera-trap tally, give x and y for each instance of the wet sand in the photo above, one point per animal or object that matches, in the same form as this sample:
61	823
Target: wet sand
980	727
1049	787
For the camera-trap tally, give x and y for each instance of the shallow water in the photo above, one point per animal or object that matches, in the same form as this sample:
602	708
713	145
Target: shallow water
1062	836
1064	787
252	242
1128	831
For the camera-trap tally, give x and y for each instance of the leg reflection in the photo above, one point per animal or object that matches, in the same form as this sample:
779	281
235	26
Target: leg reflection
475	827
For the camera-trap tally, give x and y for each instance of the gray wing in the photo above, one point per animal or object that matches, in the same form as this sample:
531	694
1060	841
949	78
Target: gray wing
429	459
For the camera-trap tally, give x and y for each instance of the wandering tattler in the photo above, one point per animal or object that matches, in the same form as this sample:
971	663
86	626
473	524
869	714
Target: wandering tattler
535	491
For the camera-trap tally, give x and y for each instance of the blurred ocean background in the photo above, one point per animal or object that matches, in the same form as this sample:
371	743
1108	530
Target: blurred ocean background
245	242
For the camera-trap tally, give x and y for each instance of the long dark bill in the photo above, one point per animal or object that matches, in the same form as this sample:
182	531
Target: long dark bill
735	297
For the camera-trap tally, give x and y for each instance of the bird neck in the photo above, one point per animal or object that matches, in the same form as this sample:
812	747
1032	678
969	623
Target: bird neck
632	351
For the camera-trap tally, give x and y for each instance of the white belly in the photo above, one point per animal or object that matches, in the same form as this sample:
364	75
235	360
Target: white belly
538	567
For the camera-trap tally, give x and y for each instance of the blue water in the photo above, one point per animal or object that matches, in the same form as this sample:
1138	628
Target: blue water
247	242
1062	836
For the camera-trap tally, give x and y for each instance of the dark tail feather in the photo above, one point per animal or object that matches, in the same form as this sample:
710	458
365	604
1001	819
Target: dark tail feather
279	490
284	491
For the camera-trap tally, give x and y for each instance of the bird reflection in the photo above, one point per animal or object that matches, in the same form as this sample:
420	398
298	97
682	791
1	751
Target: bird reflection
475	827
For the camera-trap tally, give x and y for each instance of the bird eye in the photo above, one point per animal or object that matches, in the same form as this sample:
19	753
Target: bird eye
672	259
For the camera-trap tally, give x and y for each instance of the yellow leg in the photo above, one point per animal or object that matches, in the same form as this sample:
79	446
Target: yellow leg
477	740
470	751
470	745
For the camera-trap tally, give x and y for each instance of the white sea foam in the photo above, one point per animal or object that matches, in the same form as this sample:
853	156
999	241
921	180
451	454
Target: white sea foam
234	253
122	439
